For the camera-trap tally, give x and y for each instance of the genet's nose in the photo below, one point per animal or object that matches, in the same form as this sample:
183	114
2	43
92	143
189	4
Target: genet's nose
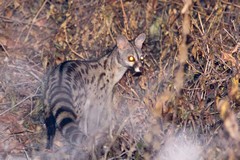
138	68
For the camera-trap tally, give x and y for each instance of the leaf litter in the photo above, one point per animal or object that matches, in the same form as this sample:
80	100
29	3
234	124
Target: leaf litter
188	94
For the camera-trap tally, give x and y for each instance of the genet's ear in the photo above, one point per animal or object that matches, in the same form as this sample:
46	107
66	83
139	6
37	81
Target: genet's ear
122	42
139	40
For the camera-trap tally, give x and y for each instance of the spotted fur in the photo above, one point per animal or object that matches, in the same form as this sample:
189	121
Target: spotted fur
78	94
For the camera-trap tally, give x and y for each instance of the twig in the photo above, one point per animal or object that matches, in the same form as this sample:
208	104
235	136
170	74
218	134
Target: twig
124	17
34	19
120	129
201	24
229	34
235	5
35	76
133	91
36	95
26	154
16	105
4	49
30	71
118	132
6	103
6	19
66	39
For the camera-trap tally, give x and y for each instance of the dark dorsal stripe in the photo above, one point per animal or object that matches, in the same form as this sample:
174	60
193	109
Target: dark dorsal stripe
61	69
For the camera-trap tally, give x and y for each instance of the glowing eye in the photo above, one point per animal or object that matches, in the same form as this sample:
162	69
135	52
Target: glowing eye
141	58
131	59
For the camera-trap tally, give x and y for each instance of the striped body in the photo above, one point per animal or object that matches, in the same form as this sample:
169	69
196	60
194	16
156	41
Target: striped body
78	94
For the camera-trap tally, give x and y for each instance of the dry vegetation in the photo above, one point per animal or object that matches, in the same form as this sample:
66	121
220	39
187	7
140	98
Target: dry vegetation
184	106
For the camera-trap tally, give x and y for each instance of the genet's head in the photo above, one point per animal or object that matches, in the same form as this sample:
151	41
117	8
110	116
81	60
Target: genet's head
130	54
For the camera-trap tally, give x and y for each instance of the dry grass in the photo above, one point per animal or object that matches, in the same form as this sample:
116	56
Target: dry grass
187	97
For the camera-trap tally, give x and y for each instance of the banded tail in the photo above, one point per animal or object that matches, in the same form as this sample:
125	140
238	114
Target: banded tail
61	115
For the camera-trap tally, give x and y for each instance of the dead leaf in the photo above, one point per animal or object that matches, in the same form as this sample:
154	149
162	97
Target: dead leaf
187	4
45	62
231	126
229	118
186	24
16	4
179	80
143	82
160	106
148	101
227	55
234	86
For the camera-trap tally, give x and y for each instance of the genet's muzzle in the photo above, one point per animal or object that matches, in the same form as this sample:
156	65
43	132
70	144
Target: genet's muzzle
137	67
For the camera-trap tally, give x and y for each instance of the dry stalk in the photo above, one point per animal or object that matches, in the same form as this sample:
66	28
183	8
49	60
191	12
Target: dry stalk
20	102
125	18
34	20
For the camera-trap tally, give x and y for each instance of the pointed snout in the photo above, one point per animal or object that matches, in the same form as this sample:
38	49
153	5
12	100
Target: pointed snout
138	67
